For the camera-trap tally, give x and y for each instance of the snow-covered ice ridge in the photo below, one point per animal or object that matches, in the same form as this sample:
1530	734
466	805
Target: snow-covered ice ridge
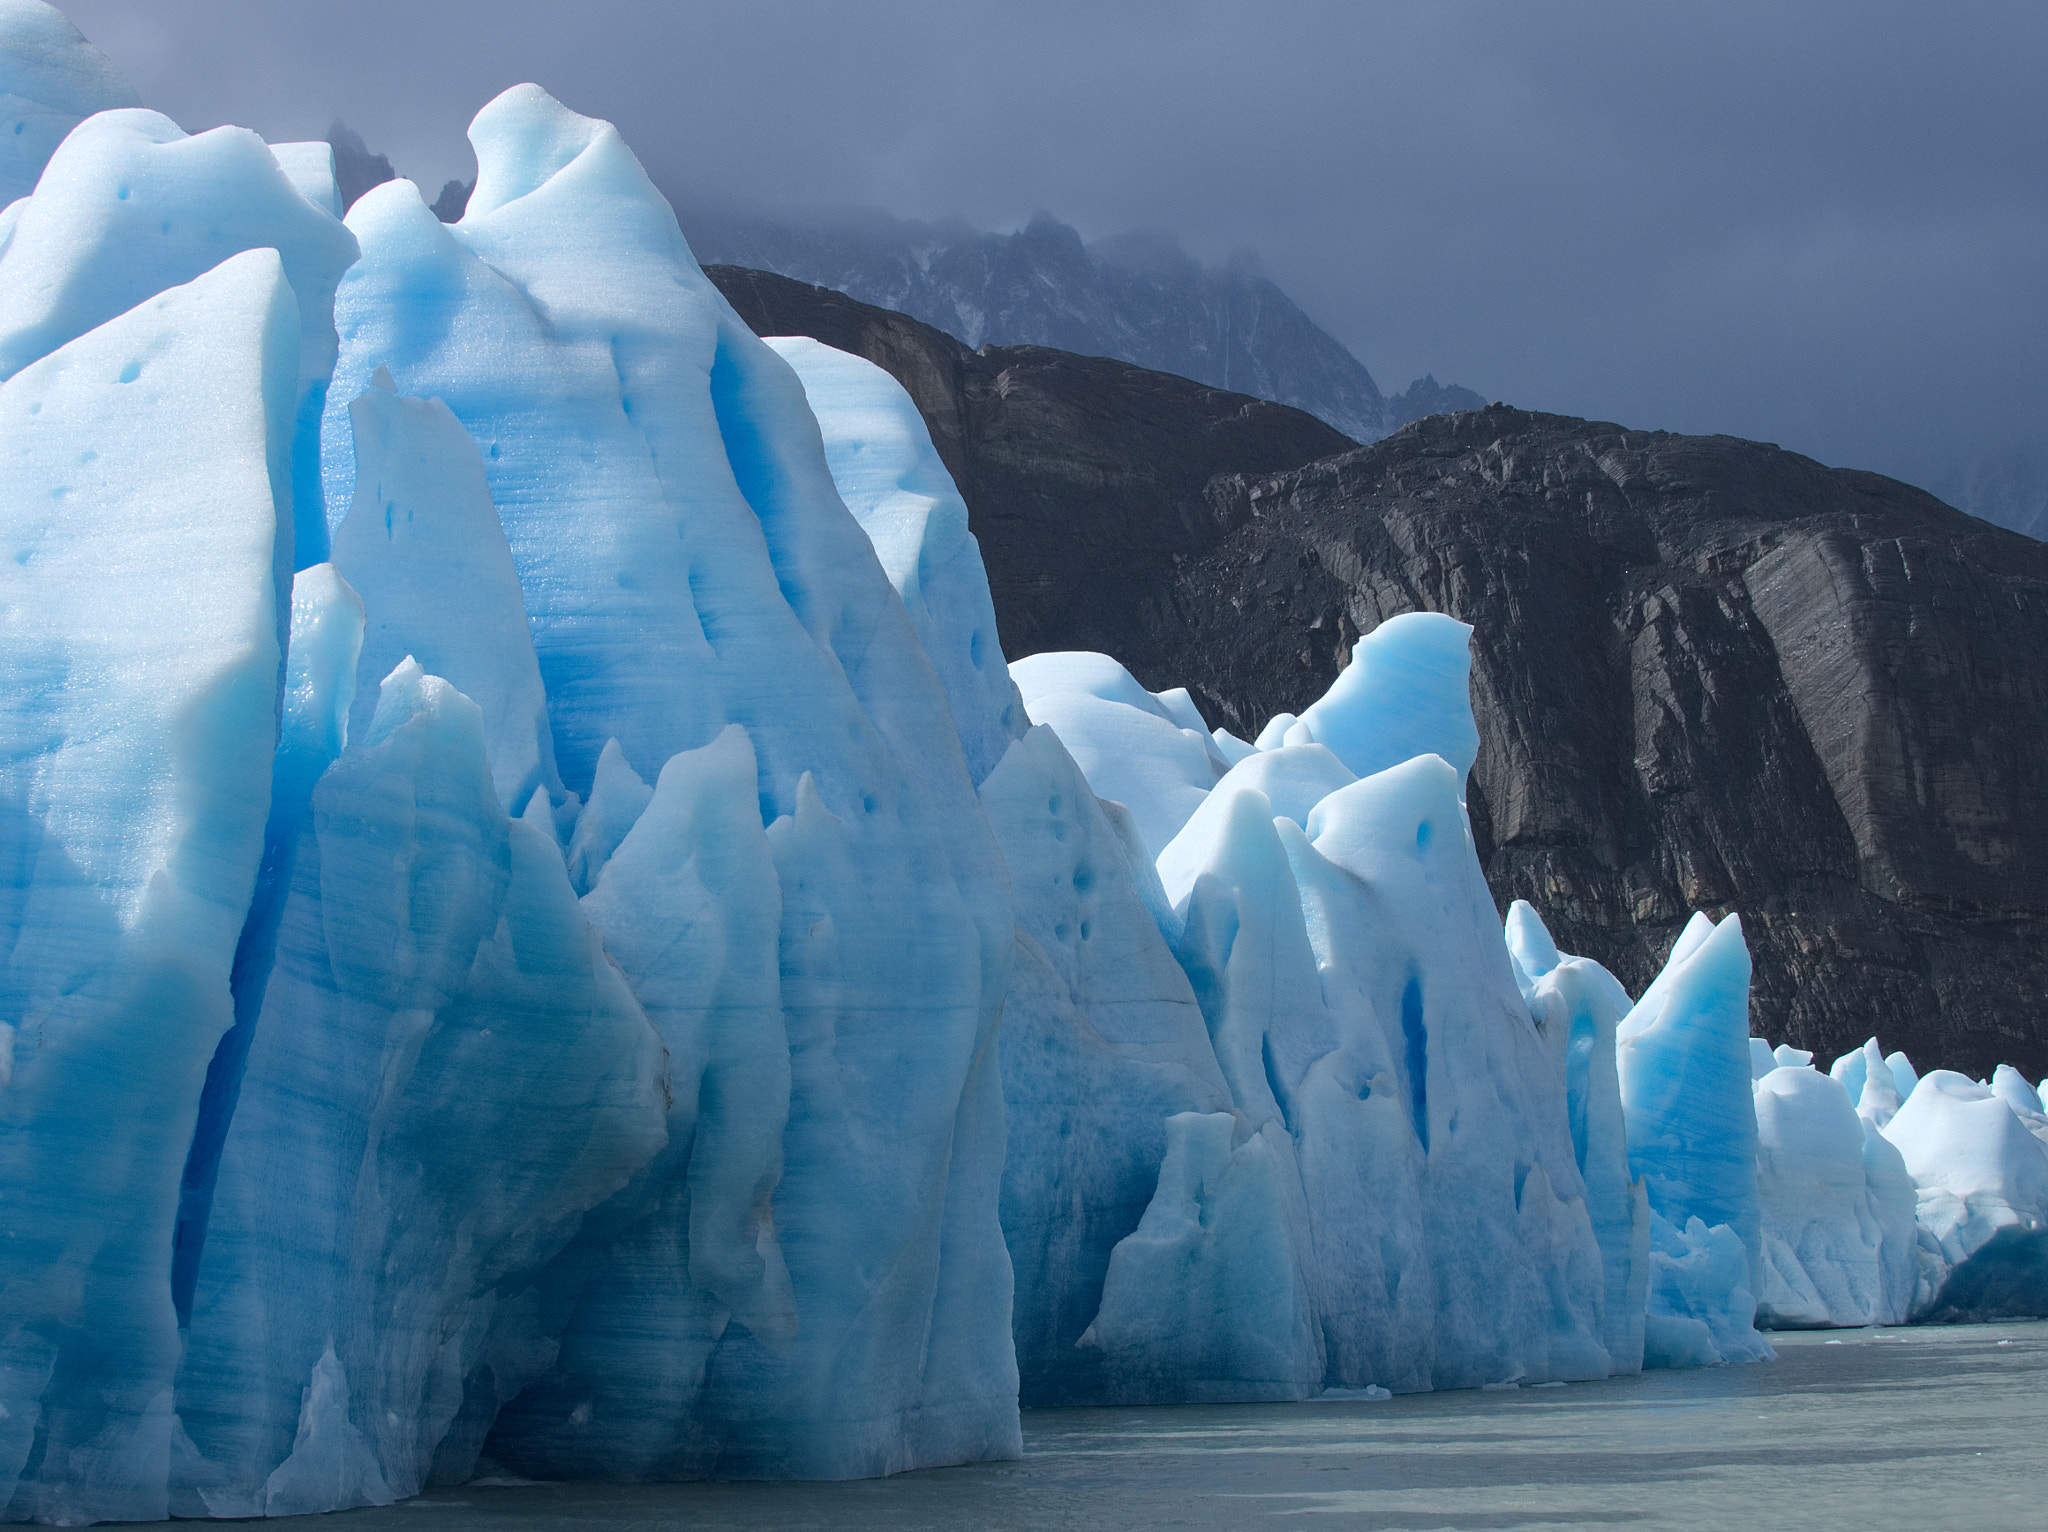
542	937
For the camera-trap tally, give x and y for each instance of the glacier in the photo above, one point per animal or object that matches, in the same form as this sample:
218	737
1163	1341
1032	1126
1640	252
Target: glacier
544	938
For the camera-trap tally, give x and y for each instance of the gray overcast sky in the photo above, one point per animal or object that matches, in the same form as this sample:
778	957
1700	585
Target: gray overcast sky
1823	224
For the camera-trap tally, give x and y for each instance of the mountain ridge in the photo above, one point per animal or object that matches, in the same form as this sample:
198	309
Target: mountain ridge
1709	673
1134	297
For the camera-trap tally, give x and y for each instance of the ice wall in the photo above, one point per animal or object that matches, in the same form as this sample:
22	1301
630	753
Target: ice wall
606	973
1684	1063
139	716
676	1165
689	568
1392	1118
889	474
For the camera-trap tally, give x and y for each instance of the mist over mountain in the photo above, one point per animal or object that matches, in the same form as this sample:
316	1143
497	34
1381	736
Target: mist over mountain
1135	297
1138	297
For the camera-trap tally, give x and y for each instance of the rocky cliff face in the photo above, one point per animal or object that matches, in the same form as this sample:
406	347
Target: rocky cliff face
1136	298
1087	479
1709	673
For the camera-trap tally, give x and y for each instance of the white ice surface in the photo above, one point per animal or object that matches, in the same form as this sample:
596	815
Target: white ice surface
50	80
129	206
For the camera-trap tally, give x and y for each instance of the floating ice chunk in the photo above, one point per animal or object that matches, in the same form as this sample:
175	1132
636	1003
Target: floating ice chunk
131	206
890	477
146	601
1904	1076
51	79
423	547
1761	1060
1406	692
1788	1057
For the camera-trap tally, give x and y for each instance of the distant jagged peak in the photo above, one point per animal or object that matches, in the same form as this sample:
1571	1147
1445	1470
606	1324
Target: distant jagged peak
1136	297
356	169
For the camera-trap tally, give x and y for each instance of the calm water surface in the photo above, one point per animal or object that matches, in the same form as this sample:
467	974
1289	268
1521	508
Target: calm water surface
1940	1428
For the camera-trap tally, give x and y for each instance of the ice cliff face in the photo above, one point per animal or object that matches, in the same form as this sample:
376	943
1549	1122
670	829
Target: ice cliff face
542	937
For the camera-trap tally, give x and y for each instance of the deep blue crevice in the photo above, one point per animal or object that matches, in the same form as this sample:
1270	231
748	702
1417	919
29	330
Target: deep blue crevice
1417	1038
299	765
1273	1081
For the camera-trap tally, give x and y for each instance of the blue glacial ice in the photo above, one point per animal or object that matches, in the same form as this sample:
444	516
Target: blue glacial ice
51	79
544	938
140	720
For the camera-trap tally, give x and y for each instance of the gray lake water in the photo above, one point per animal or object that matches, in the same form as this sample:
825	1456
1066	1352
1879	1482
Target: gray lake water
1943	1428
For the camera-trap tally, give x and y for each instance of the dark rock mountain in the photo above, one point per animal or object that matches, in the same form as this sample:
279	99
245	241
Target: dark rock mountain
1709	673
356	169
453	201
1085	478
1138	298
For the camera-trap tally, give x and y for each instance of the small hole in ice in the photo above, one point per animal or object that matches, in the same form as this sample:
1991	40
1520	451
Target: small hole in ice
121	192
1084	879
1052	805
1422	833
131	372
1063	930
18	128
1084	937
494	449
867	802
